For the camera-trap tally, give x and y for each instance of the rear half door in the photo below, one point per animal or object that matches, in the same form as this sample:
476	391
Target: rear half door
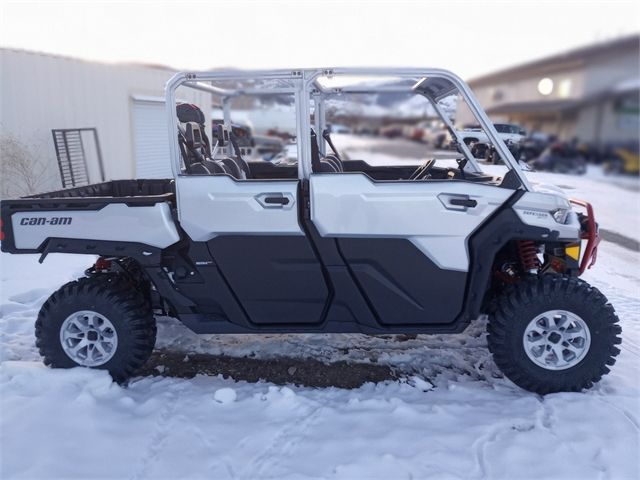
253	233
406	243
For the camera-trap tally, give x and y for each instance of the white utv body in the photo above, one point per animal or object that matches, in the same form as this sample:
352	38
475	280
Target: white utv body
324	244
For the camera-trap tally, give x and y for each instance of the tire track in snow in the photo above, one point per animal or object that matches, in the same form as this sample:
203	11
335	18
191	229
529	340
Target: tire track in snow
480	447
628	415
631	350
160	435
283	443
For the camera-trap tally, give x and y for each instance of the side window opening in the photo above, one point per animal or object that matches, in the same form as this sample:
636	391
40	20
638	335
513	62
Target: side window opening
247	137
394	135
403	128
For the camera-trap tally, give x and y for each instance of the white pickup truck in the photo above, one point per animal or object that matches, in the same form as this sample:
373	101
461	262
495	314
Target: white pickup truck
506	131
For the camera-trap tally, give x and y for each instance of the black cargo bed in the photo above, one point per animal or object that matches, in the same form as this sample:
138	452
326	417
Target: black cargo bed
115	188
131	192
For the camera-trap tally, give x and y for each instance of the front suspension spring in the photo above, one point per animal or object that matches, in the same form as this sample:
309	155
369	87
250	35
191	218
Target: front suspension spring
528	253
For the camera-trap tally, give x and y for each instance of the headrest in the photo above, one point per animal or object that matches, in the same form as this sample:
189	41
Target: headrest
188	112
193	135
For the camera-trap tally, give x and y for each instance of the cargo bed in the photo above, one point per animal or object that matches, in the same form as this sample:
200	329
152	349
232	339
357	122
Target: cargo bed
115	189
101	217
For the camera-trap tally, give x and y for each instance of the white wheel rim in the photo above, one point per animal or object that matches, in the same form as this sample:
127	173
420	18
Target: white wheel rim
556	340
88	338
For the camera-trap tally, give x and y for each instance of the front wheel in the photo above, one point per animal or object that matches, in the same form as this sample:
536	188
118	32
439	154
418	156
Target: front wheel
98	322
554	334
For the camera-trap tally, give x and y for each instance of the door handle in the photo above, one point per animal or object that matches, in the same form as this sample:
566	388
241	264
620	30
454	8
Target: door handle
463	202
276	200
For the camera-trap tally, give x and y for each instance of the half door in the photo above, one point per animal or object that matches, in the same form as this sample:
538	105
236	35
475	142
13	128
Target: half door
254	235
405	242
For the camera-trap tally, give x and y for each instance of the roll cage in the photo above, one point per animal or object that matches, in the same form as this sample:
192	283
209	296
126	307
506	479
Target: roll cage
306	86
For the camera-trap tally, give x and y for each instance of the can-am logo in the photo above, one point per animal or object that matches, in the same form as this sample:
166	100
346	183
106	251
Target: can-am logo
45	221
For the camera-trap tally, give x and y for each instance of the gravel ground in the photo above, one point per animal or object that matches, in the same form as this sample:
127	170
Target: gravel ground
280	371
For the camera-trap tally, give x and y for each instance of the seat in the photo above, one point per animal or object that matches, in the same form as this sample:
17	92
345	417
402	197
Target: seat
320	165
233	167
334	161
335	157
236	163
195	147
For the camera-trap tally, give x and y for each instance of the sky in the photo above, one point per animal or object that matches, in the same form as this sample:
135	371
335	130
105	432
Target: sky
470	38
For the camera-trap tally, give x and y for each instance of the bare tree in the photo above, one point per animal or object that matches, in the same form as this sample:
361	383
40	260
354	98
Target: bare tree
21	171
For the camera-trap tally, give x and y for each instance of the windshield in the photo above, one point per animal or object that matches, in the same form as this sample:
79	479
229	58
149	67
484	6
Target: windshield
506	128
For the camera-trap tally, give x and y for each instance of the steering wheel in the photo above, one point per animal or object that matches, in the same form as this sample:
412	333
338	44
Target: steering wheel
423	170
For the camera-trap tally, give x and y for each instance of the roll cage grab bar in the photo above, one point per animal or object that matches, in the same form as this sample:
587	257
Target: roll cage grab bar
434	84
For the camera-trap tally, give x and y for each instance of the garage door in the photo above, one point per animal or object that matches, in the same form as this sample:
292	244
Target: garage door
150	139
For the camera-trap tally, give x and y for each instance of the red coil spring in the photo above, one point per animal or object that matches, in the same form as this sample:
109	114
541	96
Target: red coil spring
528	255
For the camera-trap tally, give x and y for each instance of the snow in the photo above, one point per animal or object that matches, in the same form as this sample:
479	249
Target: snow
225	395
451	415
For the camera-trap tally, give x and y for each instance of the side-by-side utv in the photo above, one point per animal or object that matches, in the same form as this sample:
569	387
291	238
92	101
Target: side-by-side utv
321	244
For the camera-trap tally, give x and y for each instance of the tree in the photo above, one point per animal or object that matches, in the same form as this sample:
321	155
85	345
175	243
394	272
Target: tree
21	171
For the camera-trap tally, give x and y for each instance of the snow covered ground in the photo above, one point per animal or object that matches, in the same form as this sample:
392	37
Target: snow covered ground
452	415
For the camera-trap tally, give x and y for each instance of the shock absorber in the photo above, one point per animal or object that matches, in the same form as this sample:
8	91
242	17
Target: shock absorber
528	256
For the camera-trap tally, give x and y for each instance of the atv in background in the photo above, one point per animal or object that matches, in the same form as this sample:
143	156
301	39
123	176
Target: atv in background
532	146
622	159
561	157
476	139
491	155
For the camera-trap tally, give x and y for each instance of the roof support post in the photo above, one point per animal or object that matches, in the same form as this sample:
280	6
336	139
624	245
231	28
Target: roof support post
303	127
452	129
319	117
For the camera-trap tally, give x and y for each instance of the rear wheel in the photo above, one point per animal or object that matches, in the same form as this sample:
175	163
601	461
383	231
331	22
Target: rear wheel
97	322
554	333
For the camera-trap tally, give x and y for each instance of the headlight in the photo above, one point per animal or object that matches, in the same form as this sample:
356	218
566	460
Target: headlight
560	215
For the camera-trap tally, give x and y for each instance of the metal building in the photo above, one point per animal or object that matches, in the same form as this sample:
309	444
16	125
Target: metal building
123	102
590	93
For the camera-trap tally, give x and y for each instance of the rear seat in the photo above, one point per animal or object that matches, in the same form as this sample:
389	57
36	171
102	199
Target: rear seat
196	148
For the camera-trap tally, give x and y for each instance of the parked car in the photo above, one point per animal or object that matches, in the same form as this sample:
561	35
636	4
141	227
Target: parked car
393	130
327	244
337	128
428	132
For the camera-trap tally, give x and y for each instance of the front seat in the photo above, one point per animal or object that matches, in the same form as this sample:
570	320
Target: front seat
319	165
335	156
235	164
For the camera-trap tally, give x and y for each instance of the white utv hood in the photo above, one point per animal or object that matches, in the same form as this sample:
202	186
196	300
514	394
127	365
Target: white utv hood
548	207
